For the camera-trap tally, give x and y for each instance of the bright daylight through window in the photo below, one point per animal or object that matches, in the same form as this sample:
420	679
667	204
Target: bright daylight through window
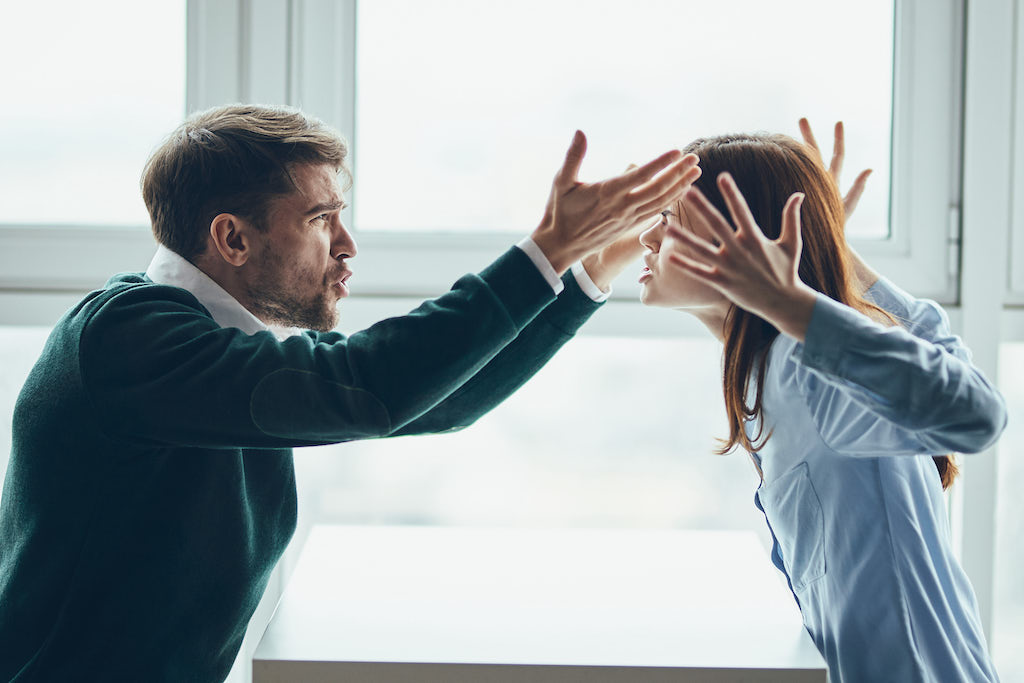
97	90
461	105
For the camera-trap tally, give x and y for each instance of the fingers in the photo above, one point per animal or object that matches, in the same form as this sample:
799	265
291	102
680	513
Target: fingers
808	136
567	175
700	247
639	176
708	273
651	203
738	208
852	197
789	234
838	152
702	212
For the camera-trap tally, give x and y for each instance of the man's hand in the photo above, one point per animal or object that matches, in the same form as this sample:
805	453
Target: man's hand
581	218
607	264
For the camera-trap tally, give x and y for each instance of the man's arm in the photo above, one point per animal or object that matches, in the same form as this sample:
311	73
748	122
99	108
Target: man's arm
513	366
160	372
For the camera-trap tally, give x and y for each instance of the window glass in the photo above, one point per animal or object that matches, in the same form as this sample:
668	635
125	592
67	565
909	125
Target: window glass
90	88
613	432
1009	589
464	110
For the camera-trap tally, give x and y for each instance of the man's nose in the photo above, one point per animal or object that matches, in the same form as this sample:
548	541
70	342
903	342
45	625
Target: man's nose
343	245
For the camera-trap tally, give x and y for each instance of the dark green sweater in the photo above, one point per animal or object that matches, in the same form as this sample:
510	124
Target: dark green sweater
150	490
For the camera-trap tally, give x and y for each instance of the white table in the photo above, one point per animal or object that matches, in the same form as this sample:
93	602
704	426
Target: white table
453	605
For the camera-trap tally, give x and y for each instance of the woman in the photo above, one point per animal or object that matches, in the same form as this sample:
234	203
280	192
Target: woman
848	394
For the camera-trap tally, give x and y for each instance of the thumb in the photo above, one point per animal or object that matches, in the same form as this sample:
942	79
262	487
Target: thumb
789	235
573	160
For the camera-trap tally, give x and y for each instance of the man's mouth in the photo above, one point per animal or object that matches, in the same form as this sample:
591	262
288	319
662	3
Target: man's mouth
340	282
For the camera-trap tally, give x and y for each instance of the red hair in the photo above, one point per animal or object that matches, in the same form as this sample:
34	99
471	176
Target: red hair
768	169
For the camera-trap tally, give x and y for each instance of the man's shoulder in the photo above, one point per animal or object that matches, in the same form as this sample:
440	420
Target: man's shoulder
133	294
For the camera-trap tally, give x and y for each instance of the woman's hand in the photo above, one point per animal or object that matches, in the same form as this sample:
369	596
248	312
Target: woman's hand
865	275
752	271
835	167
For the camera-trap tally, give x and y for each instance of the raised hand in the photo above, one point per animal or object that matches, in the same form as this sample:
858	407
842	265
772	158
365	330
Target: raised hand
755	273
581	218
835	166
605	265
864	273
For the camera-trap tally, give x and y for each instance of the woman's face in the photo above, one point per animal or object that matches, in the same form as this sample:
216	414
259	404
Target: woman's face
665	284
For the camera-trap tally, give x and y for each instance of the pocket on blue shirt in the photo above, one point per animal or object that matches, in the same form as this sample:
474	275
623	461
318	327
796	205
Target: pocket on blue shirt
794	512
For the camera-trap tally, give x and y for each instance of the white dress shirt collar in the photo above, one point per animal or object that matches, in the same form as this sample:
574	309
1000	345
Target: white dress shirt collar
168	268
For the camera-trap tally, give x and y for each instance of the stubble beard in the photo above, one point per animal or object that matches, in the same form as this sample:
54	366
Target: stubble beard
277	296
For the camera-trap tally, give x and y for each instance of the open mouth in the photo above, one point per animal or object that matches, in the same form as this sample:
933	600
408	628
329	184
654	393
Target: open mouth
341	283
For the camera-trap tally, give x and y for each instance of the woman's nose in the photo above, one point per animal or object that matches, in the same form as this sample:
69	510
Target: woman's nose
651	237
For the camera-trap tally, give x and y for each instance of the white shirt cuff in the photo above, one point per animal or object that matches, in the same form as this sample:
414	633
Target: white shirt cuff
587	285
531	249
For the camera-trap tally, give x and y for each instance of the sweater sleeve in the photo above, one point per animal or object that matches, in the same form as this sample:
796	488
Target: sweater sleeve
160	372
876	390
513	366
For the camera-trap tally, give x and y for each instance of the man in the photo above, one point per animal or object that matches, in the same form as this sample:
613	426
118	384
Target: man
150	489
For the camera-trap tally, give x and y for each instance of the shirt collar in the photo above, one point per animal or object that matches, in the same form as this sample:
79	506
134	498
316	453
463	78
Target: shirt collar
169	268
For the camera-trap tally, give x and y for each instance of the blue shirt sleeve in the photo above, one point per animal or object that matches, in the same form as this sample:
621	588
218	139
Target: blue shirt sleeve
905	389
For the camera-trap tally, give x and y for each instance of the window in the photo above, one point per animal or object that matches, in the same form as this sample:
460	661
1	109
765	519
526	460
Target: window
1009	591
478	101
87	98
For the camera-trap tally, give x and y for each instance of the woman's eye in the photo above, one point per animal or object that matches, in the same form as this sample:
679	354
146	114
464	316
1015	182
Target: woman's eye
665	215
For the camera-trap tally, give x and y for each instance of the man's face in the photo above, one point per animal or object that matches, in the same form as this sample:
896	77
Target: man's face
298	269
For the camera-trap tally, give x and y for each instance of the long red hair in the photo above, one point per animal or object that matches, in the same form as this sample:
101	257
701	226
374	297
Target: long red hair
768	169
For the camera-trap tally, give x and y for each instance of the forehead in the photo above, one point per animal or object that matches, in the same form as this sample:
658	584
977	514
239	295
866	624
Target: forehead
315	184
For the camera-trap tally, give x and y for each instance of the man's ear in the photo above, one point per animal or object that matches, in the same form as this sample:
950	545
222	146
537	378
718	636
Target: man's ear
232	238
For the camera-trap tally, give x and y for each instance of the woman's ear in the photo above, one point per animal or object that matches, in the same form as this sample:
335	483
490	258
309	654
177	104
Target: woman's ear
232	238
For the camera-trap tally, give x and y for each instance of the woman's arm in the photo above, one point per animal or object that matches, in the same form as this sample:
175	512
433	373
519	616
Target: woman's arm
914	384
930	398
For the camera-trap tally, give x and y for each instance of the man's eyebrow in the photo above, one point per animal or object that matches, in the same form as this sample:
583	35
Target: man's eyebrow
326	207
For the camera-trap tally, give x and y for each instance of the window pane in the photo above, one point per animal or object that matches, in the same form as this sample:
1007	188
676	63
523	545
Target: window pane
90	88
1009	589
613	432
467	108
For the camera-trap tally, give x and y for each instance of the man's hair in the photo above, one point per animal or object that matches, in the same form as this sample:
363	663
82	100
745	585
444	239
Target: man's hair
231	159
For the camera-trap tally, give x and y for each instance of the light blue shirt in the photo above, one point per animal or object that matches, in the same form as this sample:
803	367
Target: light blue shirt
853	501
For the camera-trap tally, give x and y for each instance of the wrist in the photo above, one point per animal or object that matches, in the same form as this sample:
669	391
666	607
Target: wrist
792	315
558	255
597	271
